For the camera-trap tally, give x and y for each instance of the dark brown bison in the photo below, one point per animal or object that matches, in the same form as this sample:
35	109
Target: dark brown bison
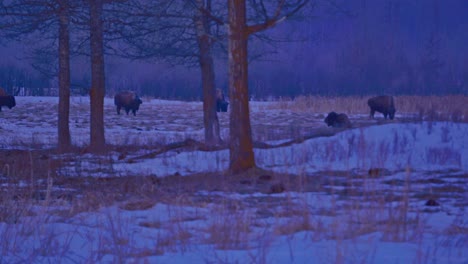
221	103
432	202
337	120
8	101
127	100
383	104
2	92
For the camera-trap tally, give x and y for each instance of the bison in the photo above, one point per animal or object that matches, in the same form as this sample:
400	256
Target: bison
2	92
337	120
221	103
128	100
8	101
383	104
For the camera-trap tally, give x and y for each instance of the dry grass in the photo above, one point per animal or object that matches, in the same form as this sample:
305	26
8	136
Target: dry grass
231	229
450	107
319	104
360	208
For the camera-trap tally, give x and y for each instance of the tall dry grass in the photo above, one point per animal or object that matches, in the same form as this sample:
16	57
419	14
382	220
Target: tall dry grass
448	107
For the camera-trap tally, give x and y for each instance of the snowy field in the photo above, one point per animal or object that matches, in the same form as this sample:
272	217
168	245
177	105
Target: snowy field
321	195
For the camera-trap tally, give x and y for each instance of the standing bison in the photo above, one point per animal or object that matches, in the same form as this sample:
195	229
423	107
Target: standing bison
221	103
6	100
127	100
337	120
383	104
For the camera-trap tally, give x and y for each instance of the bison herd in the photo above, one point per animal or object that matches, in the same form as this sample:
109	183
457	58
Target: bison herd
383	104
130	101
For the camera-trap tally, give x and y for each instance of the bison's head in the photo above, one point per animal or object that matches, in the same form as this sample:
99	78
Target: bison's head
137	102
223	106
331	118
10	102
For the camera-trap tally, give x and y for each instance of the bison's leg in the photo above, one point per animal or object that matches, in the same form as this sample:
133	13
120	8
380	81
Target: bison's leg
385	114
372	112
118	109
127	110
134	112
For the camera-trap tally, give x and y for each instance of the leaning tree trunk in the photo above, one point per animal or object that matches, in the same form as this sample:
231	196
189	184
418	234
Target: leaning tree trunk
64	138
241	146
97	91
210	118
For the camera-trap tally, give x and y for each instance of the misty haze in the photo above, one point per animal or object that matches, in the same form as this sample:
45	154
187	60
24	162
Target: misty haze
363	47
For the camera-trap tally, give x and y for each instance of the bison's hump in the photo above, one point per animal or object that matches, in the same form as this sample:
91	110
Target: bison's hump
2	92
124	98
381	100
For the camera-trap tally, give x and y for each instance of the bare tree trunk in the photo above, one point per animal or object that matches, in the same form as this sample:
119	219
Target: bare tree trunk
241	146
210	118
64	138
97	91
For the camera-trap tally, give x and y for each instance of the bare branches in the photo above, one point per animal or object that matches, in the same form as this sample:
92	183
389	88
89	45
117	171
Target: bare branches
206	10
283	10
164	30
19	15
340	8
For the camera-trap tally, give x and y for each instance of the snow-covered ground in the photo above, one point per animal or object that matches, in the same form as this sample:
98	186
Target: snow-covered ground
361	196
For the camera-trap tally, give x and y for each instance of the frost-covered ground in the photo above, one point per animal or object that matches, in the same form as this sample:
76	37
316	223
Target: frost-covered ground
352	196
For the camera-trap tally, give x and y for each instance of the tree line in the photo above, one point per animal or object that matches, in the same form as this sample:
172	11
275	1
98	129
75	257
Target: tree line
397	47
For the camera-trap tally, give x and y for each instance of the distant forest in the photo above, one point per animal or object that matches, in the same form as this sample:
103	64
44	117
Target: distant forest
359	47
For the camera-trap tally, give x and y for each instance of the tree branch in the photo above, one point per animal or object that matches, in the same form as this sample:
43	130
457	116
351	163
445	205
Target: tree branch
276	18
